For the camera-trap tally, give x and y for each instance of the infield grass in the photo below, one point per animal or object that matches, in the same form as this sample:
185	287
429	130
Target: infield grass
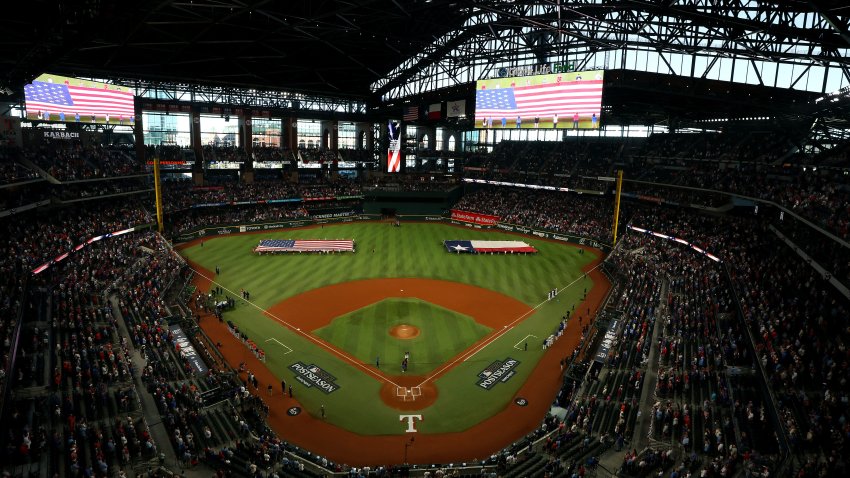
365	333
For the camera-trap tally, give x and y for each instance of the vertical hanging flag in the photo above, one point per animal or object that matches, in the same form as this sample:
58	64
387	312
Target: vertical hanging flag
435	111
394	151
456	108
410	113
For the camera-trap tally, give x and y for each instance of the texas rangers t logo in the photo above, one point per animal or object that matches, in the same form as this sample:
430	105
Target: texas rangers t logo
411	422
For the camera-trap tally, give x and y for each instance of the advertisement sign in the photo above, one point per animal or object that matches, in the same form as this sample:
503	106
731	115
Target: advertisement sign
474	218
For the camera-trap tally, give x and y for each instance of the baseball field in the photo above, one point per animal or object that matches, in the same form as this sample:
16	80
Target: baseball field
336	328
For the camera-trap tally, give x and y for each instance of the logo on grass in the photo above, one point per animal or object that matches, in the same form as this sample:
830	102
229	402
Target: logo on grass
496	372
314	376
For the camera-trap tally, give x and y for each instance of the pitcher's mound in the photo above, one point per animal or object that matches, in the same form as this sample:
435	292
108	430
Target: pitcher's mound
404	331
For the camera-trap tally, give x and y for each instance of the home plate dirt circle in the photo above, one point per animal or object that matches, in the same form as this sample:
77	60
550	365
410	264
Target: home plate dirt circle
400	394
404	331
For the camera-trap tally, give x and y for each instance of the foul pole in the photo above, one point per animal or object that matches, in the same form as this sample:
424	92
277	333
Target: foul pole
617	204
158	191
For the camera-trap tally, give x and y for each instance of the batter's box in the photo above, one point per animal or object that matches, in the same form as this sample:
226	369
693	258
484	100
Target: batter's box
408	394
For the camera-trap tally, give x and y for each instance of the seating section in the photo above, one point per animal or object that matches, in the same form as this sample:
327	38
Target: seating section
559	212
713	366
75	163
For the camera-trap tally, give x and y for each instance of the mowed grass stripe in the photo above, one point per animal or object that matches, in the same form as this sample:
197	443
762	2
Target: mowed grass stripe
436	343
413	250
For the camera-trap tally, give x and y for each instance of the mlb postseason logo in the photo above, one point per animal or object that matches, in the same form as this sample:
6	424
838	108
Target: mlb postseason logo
313	375
496	372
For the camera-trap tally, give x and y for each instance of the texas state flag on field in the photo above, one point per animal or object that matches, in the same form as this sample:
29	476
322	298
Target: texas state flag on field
483	247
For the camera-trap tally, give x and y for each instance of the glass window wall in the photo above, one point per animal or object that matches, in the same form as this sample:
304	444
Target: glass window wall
219	131
167	129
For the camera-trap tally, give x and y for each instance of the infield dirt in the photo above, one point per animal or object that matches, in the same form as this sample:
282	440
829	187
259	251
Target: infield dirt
476	443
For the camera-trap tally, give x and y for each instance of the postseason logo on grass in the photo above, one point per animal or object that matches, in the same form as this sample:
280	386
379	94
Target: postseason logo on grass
496	372
313	375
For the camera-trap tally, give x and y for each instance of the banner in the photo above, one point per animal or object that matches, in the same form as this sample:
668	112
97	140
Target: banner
475	218
434	111
394	151
187	350
608	340
456	108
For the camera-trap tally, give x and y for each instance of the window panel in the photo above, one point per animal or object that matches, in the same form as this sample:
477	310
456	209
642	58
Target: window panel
266	132
219	131
167	129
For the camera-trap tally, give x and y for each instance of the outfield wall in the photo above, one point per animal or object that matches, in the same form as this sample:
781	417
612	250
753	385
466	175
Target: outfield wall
220	230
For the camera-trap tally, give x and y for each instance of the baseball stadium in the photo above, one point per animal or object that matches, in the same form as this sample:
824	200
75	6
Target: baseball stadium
425	238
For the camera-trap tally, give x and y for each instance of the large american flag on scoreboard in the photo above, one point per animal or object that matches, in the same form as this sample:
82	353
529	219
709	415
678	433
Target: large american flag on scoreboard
565	99
298	245
64	97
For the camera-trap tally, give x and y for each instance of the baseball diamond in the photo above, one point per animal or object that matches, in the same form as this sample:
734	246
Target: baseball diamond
336	311
425	239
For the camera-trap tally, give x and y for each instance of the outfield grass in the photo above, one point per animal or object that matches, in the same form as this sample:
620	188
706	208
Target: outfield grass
364	333
413	250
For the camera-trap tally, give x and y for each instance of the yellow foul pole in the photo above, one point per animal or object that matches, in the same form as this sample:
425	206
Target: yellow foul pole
617	204
158	190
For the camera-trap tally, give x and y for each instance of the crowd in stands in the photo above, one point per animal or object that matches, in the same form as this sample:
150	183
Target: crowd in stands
180	195
555	211
169	153
356	155
74	162
89	422
821	197
698	404
412	182
309	188
195	218
313	155
675	306
224	154
795	319
47	234
103	189
272	154
11	170
575	164
749	168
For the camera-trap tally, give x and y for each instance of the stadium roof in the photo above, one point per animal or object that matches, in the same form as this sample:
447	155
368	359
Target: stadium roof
331	46
369	47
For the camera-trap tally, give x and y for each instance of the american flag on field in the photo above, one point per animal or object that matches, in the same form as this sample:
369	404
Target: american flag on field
69	99
544	100
298	245
410	113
